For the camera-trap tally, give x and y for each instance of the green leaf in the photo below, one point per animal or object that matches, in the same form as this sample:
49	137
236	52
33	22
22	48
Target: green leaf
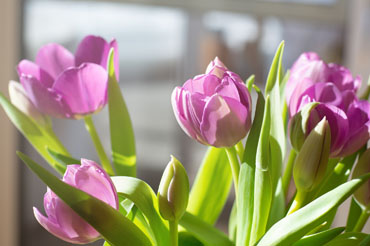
187	239
245	204
319	238
203	231
365	241
348	239
294	226
275	69
39	138
61	158
112	225
353	215
245	215
145	199
121	131
211	186
249	82
262	180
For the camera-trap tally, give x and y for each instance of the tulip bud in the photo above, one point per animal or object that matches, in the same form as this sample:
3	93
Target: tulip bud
19	98
298	129
173	191
362	194
312	159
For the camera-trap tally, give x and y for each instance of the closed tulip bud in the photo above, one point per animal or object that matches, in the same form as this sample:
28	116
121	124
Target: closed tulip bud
18	97
312	159
298	129
173	191
362	194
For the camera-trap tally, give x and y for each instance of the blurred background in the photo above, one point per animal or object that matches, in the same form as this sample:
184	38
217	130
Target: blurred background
162	43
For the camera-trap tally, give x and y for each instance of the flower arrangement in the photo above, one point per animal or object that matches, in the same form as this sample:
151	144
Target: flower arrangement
314	105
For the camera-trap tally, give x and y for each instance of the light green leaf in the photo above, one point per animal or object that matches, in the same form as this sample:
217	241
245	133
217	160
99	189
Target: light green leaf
211	186
112	225
145	199
278	205
121	131
245	215
61	158
203	231
275	69
365	241
249	82
294	226
262	181
39	138
353	215
319	238
348	239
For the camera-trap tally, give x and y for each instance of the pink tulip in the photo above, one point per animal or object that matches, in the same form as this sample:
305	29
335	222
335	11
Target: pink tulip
65	85
333	86
61	220
214	108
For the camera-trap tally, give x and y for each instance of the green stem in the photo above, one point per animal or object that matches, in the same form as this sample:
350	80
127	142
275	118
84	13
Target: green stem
235	166
89	124
174	232
299	201
362	220
288	171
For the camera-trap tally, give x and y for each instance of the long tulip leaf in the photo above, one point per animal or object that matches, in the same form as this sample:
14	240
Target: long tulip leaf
211	186
111	224
294	226
39	138
319	238
64	159
246	193
121	130
348	238
353	215
262	180
203	231
144	198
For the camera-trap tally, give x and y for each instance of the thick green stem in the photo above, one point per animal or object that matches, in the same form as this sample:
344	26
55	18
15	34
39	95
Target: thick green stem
362	220
299	201
174	232
98	145
240	149
235	166
288	171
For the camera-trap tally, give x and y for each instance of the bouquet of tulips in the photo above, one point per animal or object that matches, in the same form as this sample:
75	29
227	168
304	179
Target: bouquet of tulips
314	105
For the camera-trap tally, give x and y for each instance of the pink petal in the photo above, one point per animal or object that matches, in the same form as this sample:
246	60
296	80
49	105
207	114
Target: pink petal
203	84
228	88
84	89
26	67
91	178
45	99
224	122
54	59
95	49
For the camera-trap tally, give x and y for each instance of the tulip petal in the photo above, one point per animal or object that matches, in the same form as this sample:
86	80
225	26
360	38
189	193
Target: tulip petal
338	123
294	102
228	88
203	84
342	78
84	89
26	67
224	121
45	99
52	227
91	178
326	93
54	59
95	49
178	100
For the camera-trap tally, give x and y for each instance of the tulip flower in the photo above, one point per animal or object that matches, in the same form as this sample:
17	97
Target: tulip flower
335	89
61	220
64	85
214	108
19	98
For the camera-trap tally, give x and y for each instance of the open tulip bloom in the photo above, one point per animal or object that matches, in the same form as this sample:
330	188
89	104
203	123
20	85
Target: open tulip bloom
285	192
